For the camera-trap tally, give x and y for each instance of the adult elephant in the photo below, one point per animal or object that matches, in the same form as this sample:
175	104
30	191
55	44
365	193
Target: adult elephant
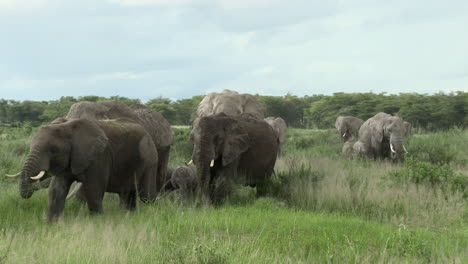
381	136
348	126
153	122
230	103
105	156
280	127
229	149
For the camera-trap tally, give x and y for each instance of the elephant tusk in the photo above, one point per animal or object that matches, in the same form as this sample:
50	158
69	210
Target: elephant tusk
212	163
405	149
189	163
344	134
392	149
13	175
75	190
40	175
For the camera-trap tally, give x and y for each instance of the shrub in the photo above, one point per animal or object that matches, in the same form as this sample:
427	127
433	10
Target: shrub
439	148
421	172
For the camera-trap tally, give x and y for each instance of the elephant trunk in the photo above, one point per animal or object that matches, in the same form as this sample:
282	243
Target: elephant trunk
31	168
204	164
396	147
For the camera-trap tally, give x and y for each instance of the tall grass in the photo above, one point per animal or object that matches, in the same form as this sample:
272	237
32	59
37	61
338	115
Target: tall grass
321	208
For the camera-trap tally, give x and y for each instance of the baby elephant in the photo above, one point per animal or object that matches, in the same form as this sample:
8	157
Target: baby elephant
183	178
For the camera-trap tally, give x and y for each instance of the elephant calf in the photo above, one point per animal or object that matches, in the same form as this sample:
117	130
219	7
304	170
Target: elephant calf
105	156
185	179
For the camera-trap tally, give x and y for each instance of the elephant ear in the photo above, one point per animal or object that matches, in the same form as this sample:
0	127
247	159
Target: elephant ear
205	107
235	143
88	141
253	106
338	122
377	130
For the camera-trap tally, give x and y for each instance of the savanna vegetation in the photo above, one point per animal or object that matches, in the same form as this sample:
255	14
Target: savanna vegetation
320	208
429	112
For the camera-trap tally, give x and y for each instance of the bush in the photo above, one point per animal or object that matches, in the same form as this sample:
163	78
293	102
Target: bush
421	172
439	148
295	184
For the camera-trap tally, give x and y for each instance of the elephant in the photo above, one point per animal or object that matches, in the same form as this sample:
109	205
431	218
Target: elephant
348	126
280	127
105	156
408	127
228	149
347	149
183	178
230	103
381	136
153	122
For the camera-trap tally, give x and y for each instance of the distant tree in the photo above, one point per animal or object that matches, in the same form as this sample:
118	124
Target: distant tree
58	108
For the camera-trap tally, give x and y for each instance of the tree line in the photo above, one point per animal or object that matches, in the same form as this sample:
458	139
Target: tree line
431	112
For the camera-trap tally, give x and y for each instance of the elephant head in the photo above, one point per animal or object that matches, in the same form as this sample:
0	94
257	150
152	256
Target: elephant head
230	103
61	148
218	141
348	126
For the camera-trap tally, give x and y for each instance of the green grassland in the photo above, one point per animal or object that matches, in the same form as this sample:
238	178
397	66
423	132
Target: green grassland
321	208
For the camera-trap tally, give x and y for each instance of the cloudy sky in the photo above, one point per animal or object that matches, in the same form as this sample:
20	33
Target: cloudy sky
180	48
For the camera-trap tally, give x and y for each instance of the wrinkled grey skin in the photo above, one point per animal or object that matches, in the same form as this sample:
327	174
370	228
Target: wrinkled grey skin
348	127
243	149
279	126
153	122
376	135
347	149
105	156
184	178
230	103
408	128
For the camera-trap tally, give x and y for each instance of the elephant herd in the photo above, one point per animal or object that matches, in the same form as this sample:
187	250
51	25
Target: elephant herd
381	136
108	146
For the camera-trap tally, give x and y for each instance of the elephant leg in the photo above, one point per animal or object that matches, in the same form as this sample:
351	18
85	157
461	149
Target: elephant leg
222	184
94	187
93	198
146	184
163	161
221	189
128	200
58	191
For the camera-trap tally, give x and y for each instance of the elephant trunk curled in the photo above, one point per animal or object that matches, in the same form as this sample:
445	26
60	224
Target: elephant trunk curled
31	168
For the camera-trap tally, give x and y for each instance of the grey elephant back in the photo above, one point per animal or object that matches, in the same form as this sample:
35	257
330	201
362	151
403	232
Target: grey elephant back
230	103
152	121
